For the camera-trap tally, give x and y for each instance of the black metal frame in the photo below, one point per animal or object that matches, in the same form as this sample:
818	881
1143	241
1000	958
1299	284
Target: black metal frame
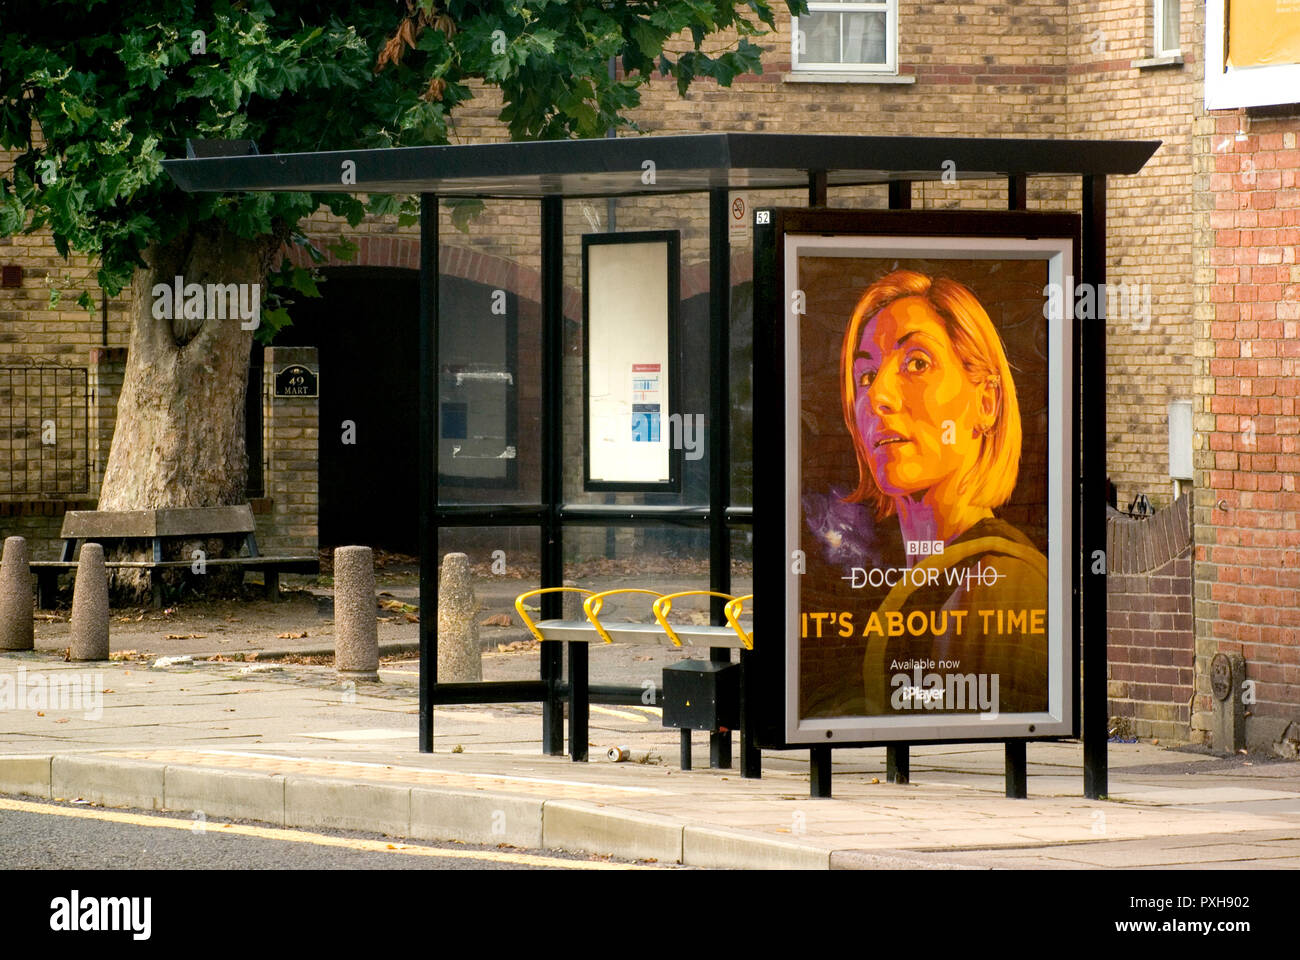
672	376
768	666
712	163
511	479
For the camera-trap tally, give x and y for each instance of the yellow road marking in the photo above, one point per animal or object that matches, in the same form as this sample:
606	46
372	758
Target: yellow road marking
318	839
621	714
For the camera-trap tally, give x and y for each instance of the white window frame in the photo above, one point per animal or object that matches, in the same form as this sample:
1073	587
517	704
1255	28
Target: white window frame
890	66
1242	86
1160	44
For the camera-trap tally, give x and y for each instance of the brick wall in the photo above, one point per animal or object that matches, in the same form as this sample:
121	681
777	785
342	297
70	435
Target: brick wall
1113	94
107	371
41	316
1247	424
292	436
1150	644
39	522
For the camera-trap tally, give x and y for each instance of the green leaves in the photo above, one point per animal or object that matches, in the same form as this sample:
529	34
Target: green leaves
105	102
463	211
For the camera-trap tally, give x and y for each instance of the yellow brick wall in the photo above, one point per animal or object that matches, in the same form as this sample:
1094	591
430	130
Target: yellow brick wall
1149	223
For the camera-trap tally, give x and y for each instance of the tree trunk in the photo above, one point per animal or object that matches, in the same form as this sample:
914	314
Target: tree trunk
179	437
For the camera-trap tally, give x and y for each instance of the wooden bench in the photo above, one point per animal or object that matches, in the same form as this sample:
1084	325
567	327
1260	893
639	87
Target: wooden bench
107	527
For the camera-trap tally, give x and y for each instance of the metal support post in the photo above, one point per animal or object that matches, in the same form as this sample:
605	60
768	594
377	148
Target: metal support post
1017	770
552	549
428	531
1092	526
898	763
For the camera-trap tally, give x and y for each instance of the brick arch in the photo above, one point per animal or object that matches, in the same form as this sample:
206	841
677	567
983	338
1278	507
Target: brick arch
468	264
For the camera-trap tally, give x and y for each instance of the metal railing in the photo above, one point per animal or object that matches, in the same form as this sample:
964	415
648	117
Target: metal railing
44	430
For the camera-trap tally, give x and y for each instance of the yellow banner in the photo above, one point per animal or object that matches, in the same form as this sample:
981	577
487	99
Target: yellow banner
1263	32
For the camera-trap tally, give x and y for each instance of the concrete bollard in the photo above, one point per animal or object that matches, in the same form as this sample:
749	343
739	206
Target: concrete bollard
572	609
90	606
356	620
16	604
460	658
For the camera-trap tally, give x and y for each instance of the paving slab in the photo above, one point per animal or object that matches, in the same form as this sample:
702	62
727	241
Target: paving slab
297	746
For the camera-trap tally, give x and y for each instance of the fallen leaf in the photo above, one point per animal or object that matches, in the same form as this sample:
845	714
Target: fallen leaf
184	636
500	620
63	720
40	713
291	636
411	618
643	658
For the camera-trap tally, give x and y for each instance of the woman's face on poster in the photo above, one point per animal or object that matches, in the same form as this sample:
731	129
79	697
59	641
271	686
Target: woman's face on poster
918	414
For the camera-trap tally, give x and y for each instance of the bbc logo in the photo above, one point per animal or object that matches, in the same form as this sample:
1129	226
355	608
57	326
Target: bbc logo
924	548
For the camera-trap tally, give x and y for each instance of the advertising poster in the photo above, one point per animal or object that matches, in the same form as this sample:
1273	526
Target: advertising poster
928	468
631	285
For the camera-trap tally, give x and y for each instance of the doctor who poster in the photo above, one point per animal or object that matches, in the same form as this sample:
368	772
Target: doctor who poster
928	465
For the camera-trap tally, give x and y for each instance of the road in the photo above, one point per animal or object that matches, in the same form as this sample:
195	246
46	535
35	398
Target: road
66	836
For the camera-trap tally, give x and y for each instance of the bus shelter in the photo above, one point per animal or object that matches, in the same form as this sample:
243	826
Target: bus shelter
716	164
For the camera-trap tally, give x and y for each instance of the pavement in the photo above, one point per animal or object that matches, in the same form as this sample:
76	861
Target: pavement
287	744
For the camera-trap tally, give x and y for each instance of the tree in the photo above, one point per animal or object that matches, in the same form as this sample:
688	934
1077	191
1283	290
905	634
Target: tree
93	95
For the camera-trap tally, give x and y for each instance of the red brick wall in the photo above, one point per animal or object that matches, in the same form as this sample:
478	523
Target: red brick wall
1248	426
1150	632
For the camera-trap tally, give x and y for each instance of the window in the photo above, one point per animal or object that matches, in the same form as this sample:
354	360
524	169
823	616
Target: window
846	38
1166	28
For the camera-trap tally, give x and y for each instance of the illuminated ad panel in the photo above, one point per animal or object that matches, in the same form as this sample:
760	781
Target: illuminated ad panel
929	462
1252	53
631	289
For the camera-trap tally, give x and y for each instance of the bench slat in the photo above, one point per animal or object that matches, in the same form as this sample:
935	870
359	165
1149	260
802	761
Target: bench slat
88	524
254	563
189	521
581	631
173	522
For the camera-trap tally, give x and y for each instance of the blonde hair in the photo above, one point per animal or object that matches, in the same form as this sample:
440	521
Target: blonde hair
980	350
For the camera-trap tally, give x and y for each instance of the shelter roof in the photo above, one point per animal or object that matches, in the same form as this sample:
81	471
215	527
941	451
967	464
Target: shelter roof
616	167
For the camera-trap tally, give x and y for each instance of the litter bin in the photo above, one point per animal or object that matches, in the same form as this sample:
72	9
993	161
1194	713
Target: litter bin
701	695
